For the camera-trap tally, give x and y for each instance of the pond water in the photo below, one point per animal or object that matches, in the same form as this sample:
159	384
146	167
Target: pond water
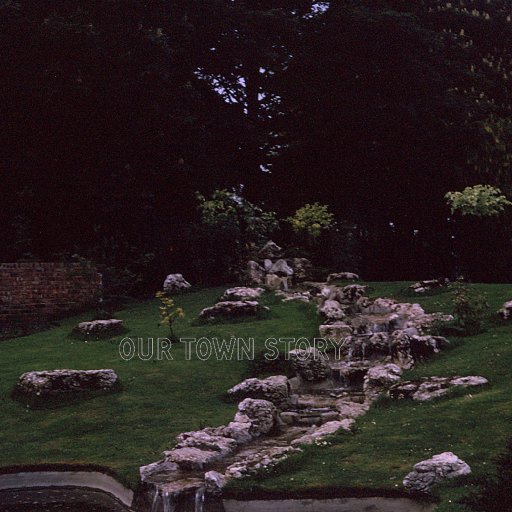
58	500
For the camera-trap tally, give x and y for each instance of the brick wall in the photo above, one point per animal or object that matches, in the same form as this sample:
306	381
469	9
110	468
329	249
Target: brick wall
36	292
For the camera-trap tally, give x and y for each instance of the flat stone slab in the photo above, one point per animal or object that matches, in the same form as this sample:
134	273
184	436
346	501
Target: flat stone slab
433	387
100	326
242	293
65	383
233	309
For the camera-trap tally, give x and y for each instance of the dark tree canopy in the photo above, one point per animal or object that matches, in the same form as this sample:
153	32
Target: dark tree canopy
115	113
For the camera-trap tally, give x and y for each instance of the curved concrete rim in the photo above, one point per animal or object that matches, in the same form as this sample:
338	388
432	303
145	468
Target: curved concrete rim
88	479
375	504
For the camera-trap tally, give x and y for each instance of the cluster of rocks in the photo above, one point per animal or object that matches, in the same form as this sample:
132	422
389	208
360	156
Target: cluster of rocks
100	327
64	383
375	339
269	268
429	388
429	284
197	449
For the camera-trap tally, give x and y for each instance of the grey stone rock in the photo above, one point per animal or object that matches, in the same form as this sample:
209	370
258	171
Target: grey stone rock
506	310
176	283
331	310
342	276
380	378
157	469
310	364
255	273
337	331
270	251
429	472
242	293
190	458
275	389
274	282
233	309
100	326
429	388
260	414
206	440
214	482
65	382
302	269
281	269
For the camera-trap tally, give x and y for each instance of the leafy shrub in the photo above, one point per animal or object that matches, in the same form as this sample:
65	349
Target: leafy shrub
169	312
311	220
470	308
479	201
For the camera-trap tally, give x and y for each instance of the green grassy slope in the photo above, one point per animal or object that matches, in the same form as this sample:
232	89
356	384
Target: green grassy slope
161	399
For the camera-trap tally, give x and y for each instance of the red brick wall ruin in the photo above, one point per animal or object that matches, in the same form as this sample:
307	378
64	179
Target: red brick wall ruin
36	292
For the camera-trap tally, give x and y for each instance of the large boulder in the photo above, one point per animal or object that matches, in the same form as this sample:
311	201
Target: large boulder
302	269
281	268
242	293
206	439
429	388
428	284
351	293
336	332
232	309
310	364
39	385
176	283
275	389
255	273
331	310
270	251
275	282
407	349
506	310
342	276
190	458
429	472
100	327
380	378
260	414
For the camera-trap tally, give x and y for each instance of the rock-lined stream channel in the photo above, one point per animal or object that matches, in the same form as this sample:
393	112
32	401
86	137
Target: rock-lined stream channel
373	340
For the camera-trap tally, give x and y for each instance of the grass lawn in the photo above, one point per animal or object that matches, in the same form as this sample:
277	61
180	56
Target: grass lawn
161	399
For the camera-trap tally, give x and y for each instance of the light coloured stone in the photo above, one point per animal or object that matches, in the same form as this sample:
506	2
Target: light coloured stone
176	283
380	378
337	331
342	276
255	273
429	472
275	389
429	388
281	269
310	364
233	309
242	293
331	310
65	382
506	310
191	458
100	326
270	251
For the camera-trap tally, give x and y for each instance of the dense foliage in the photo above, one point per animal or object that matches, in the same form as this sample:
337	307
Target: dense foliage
115	113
